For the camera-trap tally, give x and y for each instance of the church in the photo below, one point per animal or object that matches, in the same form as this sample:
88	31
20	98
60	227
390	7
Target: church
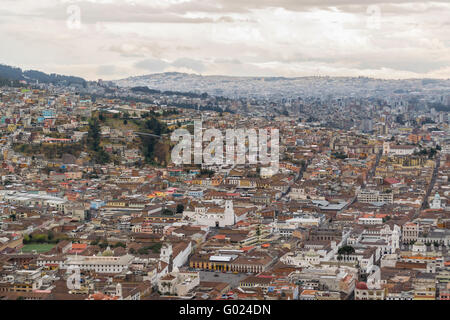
214	216
437	202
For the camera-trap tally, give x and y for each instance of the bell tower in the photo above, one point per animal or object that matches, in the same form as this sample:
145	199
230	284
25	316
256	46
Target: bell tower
230	218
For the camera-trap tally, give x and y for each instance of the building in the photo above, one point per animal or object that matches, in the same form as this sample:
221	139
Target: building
213	216
363	292
410	232
371	196
100	264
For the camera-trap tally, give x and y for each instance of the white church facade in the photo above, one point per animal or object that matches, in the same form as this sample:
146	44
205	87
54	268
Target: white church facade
213	216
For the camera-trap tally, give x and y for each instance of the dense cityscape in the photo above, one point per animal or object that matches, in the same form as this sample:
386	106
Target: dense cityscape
358	209
220	159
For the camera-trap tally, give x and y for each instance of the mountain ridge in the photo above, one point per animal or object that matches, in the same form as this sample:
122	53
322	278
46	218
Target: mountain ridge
10	73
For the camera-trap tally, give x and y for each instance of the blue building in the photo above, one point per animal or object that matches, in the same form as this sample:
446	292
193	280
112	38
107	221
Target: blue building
97	204
48	114
195	193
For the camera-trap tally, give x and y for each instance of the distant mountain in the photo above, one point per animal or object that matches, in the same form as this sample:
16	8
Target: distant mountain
284	88
8	73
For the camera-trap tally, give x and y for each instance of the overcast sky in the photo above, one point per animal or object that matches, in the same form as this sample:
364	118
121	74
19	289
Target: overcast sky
114	39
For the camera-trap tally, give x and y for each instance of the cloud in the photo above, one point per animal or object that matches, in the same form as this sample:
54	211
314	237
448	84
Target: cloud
188	63
152	65
106	70
120	38
181	65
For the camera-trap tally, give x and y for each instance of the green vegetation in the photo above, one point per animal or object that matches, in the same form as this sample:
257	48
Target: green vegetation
105	244
167	212
10	83
155	248
49	150
120	244
180	208
43	238
43	247
156	151
207	173
431	153
16	74
98	154
346	250
339	155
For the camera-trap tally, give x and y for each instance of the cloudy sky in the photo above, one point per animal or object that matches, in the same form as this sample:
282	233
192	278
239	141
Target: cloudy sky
113	39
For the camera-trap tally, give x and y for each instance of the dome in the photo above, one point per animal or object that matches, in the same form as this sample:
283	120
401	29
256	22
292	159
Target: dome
361	285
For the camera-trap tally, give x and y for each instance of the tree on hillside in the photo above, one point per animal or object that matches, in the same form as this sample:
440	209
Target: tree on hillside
93	137
99	155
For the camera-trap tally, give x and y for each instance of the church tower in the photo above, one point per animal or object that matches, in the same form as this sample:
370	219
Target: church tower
166	252
386	148
436	204
230	218
119	291
395	238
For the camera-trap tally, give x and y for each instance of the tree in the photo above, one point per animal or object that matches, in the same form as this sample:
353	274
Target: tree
143	251
40	238
207	172
167	212
120	244
346	250
99	155
180	208
103	245
156	248
93	137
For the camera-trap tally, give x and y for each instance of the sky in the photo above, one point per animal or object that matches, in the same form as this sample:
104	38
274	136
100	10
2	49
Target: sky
115	39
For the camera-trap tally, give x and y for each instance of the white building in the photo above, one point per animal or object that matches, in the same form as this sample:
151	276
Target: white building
100	264
401	150
371	196
436	203
214	217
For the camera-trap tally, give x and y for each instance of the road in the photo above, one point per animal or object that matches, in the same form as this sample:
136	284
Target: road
298	177
369	176
432	182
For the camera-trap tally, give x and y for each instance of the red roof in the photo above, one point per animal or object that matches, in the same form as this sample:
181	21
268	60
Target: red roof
361	286
391	180
79	246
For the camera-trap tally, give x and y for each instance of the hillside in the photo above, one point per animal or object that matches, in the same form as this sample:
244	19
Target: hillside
282	87
8	73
